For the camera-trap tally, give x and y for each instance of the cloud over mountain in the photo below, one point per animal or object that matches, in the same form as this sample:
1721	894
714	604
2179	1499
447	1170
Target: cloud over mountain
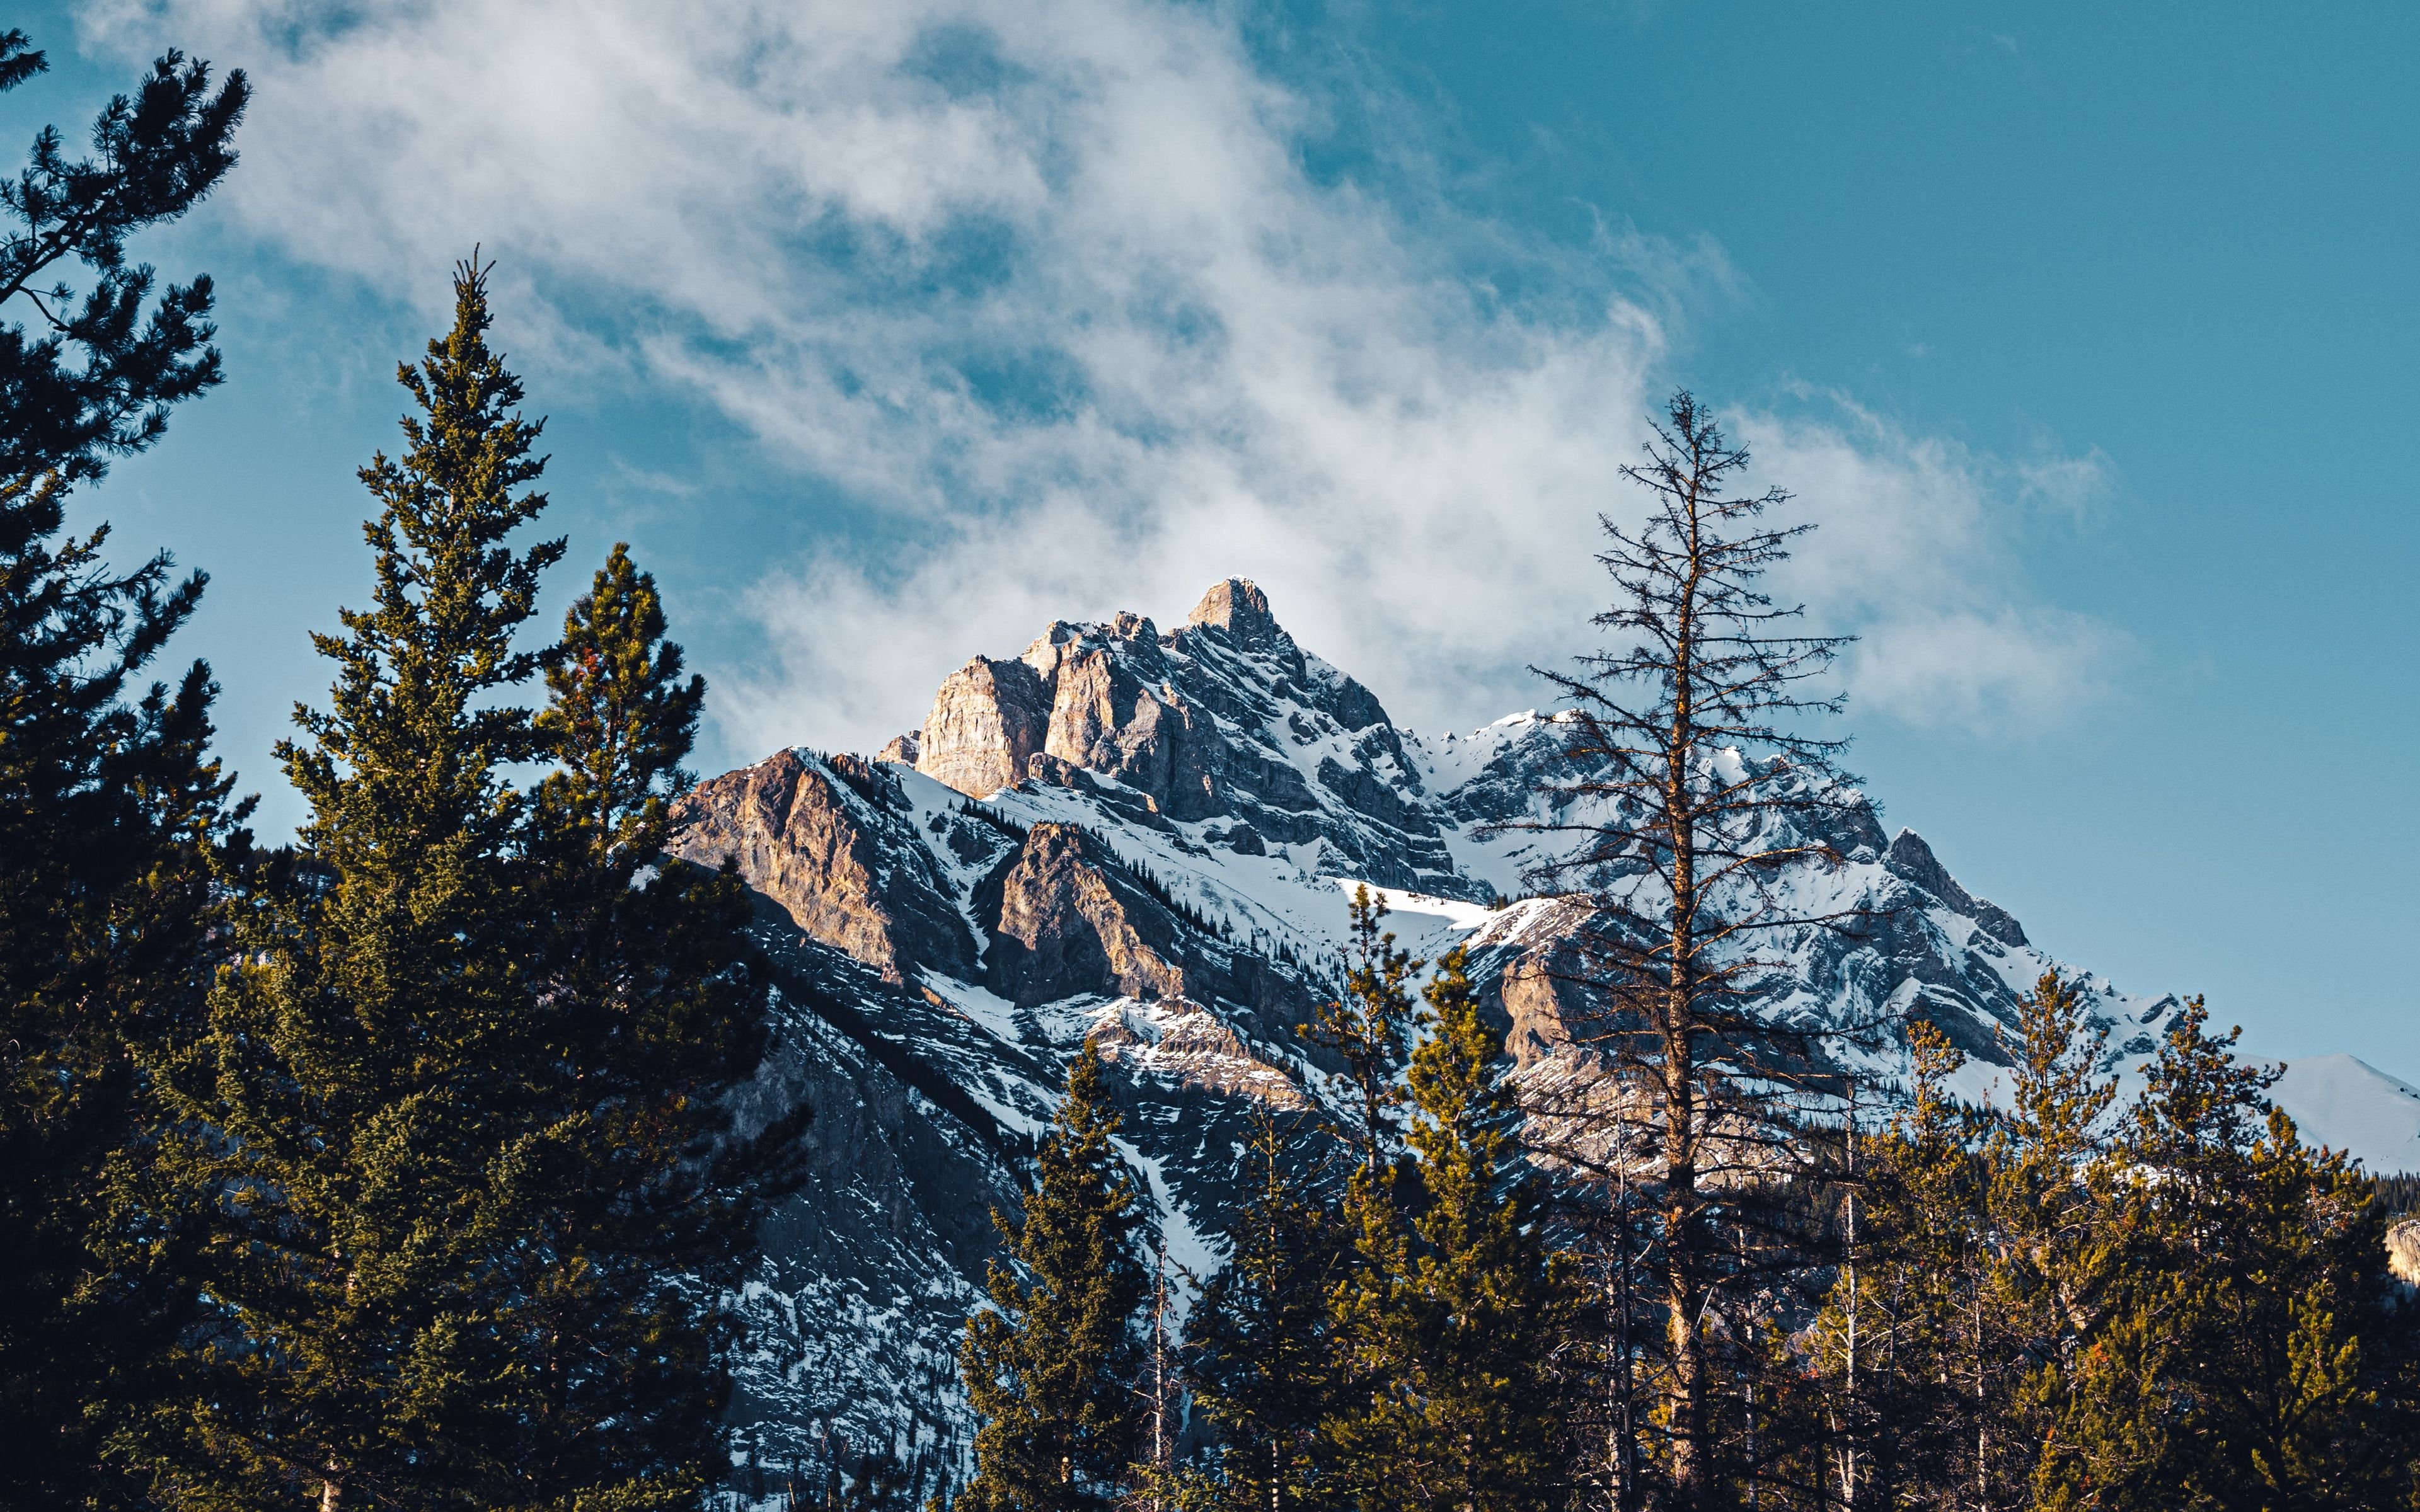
1062	295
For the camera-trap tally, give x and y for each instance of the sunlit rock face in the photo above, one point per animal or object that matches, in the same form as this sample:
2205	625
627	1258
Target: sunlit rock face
1149	839
1225	719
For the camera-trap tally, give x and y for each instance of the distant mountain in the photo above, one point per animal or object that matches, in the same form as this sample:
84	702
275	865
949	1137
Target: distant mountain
2349	1105
1150	838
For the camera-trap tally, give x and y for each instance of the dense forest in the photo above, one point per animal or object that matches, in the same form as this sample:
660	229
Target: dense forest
398	1166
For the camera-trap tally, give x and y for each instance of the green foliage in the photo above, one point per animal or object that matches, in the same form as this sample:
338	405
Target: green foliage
2063	1308
109	813
99	379
1051	1370
1263	1358
2253	1355
1369	1029
455	1087
1911	1337
620	721
2398	1193
111	806
1449	1314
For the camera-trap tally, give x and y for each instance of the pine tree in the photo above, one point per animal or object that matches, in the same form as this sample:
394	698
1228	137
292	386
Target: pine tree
1369	1029
454	1085
1455	1324
100	381
2251	1357
621	718
1051	1369
2060	1228
111	806
645	1015
110	813
1263	1354
359	1068
1906	1346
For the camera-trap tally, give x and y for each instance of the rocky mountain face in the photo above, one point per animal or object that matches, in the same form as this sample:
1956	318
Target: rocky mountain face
1226	719
1149	839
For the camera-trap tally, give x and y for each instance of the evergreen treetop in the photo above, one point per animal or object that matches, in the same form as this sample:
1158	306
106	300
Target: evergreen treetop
1052	1368
620	720
1370	1028
99	379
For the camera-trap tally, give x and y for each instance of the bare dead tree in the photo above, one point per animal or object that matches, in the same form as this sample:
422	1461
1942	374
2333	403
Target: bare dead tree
1692	803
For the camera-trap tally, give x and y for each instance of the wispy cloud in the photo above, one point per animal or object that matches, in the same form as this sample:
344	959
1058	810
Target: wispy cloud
1050	285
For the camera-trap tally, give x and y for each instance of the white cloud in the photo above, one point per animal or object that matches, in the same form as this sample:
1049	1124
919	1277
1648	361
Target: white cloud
1914	557
1049	283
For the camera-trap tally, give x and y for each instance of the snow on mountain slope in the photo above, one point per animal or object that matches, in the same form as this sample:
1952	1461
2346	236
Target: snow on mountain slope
2349	1105
1150	840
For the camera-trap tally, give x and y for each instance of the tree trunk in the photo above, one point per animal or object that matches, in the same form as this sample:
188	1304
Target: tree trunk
1683	1271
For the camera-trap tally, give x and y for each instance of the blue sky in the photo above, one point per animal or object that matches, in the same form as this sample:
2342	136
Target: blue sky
888	333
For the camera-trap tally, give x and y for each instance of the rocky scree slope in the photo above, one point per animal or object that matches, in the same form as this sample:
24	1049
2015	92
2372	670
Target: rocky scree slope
1149	839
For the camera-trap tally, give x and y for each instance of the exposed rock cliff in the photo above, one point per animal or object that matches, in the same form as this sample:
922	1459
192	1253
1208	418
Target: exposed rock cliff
1225	719
819	837
2403	1251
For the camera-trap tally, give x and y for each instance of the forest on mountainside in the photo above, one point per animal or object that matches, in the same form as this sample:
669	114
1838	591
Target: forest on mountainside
411	1164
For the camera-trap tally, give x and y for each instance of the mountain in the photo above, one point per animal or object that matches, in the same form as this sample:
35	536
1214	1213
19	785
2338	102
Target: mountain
1150	838
2349	1105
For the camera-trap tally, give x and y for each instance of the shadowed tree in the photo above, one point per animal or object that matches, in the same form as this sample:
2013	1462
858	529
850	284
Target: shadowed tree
1052	1368
1451	1316
1263	1358
96	376
110	803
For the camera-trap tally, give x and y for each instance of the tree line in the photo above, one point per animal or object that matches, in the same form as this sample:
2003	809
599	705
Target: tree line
391	1167
2053	1304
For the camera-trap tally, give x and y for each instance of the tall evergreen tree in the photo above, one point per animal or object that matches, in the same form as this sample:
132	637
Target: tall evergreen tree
1908	1345
1455	1321
2070	1306
1052	1368
362	1051
1263	1350
456	1083
2059	1230
110	803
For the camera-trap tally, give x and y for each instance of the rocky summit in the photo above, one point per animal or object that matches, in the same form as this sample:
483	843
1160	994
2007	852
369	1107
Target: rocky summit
1149	839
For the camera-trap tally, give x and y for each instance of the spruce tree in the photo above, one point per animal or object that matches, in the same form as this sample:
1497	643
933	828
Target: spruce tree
2253	1356
2059	1230
643	1014
110	361
111	804
456	1080
1369	1029
1262	1351
1051	1368
1453	1318
1907	1347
